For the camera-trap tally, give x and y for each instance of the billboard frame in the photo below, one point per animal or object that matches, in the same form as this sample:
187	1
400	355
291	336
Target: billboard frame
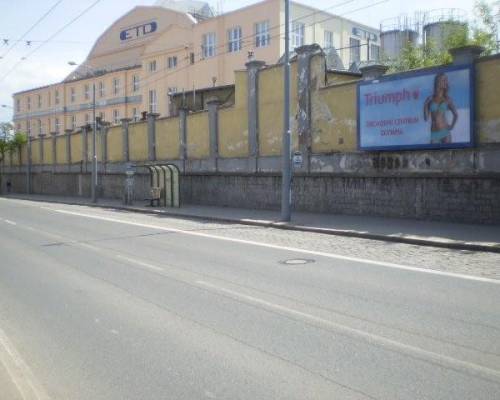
416	73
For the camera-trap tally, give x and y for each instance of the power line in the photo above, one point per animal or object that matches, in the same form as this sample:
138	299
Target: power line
50	38
32	27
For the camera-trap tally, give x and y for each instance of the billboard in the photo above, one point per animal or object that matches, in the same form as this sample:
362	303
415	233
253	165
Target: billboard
426	109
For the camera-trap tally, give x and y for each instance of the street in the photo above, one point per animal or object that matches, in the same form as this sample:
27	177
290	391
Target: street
105	304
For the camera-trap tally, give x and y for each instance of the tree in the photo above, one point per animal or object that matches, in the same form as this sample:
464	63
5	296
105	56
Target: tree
17	143
6	135
482	31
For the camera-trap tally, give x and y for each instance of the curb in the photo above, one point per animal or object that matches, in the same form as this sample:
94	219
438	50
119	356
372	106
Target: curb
454	245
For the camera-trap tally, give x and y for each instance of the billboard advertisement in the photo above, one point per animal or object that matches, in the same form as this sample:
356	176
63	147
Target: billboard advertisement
427	109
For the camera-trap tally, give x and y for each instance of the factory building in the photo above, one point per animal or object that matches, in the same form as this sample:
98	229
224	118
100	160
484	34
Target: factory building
154	51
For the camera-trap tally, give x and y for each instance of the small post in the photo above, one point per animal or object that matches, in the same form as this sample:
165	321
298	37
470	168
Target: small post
183	136
28	165
126	147
253	68
213	126
54	150
286	174
152	136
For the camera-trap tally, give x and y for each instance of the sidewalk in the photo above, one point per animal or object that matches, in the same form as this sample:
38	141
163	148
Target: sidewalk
439	234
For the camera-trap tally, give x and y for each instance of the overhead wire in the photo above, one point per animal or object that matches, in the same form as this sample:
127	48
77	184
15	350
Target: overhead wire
37	22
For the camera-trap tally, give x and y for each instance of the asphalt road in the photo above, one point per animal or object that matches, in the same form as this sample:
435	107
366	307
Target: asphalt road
101	304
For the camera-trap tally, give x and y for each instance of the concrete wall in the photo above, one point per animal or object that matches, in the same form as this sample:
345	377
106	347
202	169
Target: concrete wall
231	155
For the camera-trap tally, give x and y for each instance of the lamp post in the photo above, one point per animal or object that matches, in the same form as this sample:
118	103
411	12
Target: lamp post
93	185
286	174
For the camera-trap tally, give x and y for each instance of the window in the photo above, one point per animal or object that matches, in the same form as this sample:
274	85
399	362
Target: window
152	66
208	46
116	117
102	116
57	124
87	118
102	89
172	62
262	37
86	91
135	114
234	39
18	105
72	94
191	58
171	90
28	103
355	52
328	40
73	121
374	52
28	127
116	86
56	96
298	34
49	125
40	130
39	101
152	101
135	83
49	99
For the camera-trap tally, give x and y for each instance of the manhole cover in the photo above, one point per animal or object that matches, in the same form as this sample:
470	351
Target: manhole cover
298	261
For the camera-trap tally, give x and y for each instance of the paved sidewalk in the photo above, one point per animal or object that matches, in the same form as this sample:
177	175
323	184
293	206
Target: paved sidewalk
439	234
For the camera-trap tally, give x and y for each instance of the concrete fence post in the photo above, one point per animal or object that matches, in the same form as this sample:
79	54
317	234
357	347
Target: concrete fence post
151	118
308	80
183	136
253	68
466	54
373	71
85	147
40	149
68	147
213	104
54	150
103	128
126	146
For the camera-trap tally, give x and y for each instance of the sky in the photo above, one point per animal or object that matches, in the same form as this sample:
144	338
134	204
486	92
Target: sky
49	64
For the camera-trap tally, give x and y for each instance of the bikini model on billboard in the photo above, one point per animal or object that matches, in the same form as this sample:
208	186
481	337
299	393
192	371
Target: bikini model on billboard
436	106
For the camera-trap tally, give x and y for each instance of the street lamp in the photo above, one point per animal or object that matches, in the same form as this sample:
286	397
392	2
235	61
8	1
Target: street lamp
93	186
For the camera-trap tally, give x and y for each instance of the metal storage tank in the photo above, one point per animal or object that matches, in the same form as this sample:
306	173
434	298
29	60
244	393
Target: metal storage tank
395	40
438	33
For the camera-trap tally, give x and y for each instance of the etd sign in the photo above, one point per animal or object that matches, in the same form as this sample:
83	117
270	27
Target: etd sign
136	32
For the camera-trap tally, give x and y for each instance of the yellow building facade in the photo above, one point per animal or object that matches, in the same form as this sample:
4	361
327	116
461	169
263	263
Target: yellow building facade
153	51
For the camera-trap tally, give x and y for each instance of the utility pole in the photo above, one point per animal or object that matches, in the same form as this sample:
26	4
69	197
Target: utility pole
94	148
286	175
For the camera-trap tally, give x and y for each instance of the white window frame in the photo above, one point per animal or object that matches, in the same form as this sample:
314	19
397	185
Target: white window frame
28	127
153	101
354	49
234	39
57	125
72	94
172	62
135	83
328	40
135	114
40	130
208	46
298	34
28	103
102	89
18	105
116	86
87	118
86	91
372	48
262	36
73	121
56	97
116	116
39	101
152	66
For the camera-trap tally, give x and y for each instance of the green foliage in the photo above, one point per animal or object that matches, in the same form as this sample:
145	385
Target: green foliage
482	32
6	135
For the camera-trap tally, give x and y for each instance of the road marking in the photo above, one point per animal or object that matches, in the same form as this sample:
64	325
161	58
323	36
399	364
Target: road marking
10	222
19	372
287	248
413	351
138	262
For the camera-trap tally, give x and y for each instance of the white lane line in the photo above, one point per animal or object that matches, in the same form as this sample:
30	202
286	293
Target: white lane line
138	262
380	341
10	222
287	248
19	372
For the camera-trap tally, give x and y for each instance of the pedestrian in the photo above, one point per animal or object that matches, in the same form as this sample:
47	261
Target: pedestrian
9	186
